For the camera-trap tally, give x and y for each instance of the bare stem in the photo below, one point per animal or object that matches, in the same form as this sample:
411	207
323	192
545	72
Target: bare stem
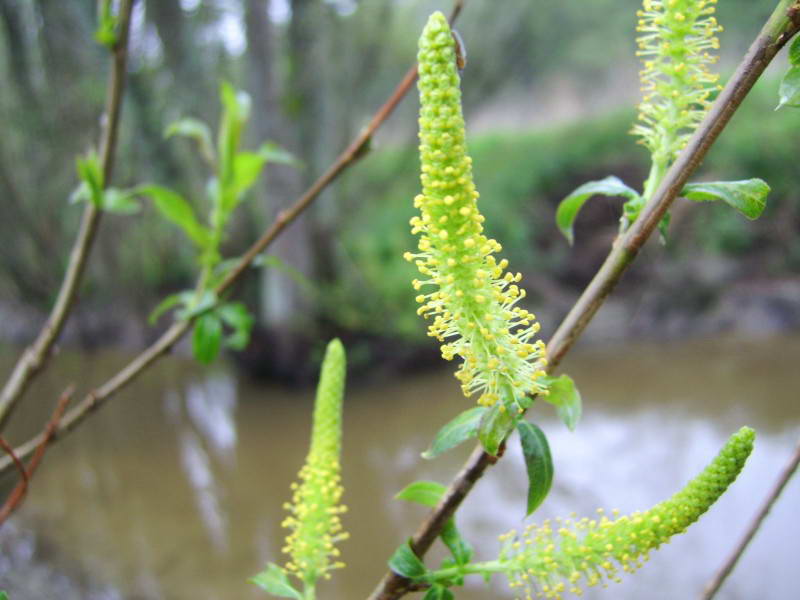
781	26
35	357
715	584
169	338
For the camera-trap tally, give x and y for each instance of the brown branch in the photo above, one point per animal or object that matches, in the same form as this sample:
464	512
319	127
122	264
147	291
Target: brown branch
18	493
34	358
775	33
169	338
716	583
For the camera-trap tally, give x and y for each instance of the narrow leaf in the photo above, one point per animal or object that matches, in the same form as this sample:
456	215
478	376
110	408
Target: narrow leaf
275	581
459	547
794	52
121	202
195	306
246	169
236	316
438	592
273	153
176	209
570	206
168	303
404	562
207	338
564	395
460	429
427	493
494	426
538	463
198	131
91	173
748	196
789	89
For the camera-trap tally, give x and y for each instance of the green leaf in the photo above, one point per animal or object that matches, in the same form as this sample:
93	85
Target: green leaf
459	547
198	131
460	429
538	463
121	202
176	209
794	52
106	32
494	426
570	206
235	112
437	592
195	306
270	260
273	153
789	89
275	581
3	595
405	563
427	493
564	395
246	169
236	316
748	196
91	173
207	337
168	303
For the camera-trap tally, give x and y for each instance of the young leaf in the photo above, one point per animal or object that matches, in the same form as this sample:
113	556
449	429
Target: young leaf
405	563
789	90
570	206
459	547
236	316
106	32
563	394
91	174
538	463
121	202
235	112
197	130
196	307
273	153
794	52
176	209
460	429
275	581
427	493
435	592
748	196
169	302
246	169
494	426
207	337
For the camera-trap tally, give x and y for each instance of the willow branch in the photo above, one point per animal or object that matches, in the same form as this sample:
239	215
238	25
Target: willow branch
355	150
19	491
35	357
716	583
781	26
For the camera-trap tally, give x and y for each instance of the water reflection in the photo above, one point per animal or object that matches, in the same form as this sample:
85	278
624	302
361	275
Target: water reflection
174	491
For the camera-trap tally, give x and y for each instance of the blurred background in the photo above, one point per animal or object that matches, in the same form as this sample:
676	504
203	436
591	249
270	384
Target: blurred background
549	95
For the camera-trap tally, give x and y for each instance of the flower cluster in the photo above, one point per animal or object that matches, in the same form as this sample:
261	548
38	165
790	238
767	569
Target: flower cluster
315	511
555	558
474	306
674	42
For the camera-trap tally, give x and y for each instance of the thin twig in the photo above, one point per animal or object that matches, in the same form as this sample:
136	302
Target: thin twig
18	493
35	356
178	329
776	32
715	584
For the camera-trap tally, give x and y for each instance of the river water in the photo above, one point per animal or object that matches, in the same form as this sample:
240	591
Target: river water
175	489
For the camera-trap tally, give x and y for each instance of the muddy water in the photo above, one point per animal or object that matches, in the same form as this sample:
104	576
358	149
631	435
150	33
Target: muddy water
174	490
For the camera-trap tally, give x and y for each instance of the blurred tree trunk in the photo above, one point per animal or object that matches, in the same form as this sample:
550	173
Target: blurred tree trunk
17	54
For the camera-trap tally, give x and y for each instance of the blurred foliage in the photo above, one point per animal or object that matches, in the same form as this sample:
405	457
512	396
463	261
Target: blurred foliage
316	70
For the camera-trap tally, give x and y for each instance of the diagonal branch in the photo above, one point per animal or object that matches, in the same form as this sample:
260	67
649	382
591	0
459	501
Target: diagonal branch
18	493
781	26
35	357
177	330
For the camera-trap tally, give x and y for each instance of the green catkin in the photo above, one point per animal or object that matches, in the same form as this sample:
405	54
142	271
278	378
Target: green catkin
314	513
676	36
549	560
473	305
